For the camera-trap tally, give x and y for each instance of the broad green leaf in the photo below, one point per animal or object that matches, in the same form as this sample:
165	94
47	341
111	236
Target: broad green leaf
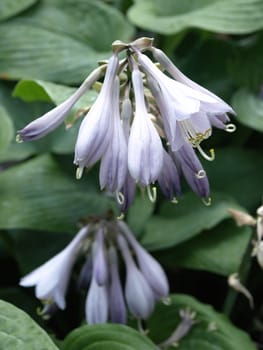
39	90
238	172
6	130
173	16
39	194
32	248
180	222
139	213
205	251
212	330
105	337
19	331
249	109
9	8
59	40
247	58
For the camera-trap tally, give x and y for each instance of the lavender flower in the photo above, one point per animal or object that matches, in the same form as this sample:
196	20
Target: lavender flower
52	119
113	168
138	293
95	131
164	118
51	279
108	292
145	151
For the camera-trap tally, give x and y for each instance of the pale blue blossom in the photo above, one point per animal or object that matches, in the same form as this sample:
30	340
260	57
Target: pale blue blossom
51	279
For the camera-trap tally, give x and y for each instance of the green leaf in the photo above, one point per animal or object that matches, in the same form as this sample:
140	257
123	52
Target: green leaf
39	90
39	194
105	337
249	109
173	16
212	330
6	130
237	172
205	251
9	8
247	59
139	213
19	331
180	222
59	40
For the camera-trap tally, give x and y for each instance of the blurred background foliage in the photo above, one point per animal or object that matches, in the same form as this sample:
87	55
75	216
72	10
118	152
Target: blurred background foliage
47	47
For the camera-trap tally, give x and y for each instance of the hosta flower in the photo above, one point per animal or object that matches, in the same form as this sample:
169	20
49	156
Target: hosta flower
144	126
189	106
95	131
51	279
105	242
113	168
52	119
145	151
138	293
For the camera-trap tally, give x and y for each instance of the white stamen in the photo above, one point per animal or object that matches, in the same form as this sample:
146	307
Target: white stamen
207	201
230	128
200	174
152	193
120	197
191	135
79	173
206	156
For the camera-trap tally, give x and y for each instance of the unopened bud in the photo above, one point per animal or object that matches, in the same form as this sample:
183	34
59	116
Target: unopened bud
241	218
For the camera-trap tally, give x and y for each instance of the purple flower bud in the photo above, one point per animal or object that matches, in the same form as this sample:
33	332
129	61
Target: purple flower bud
97	304
116	298
138	294
113	168
168	178
85	274
145	151
100	264
193	170
151	269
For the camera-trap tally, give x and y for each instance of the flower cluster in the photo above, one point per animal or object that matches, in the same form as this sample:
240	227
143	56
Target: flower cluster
144	126
102	242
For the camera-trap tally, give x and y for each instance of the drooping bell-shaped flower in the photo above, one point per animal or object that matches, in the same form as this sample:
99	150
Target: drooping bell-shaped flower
145	150
51	279
193	171
96	129
150	268
118	313
97	304
187	105
168	179
51	120
113	168
100	263
168	65
138	293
